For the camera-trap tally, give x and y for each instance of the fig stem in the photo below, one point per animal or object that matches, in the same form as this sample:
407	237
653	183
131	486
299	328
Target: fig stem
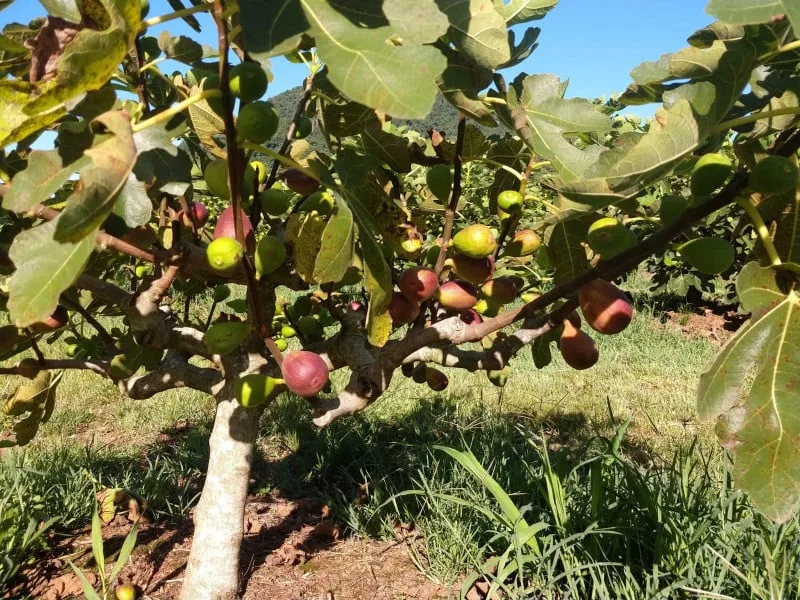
450	212
173	110
761	229
752	118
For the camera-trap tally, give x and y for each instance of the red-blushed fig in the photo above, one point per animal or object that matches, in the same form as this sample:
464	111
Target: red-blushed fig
305	373
501	289
407	369
55	321
471	317
605	307
578	349
198	212
457	296
474	270
126	591
475	241
524	243
435	379
9	337
224	254
402	310
299	182
419	284
418	373
225	227
574	318
29	367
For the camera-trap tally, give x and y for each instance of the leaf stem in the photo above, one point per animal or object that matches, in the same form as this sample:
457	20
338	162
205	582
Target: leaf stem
450	212
178	14
761	229
284	160
767	114
173	110
795	45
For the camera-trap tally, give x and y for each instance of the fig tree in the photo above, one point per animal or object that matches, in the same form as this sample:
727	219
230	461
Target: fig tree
226	228
435	379
299	182
708	255
9	337
440	181
510	201
475	241
501	290
419	284
709	173
474	270
303	128
216	176
254	390
275	202
605	307
402	310
774	175
457	296
524	243
305	373
224	254
225	336
578	349
55	321
248	81
270	255
608	237
257	122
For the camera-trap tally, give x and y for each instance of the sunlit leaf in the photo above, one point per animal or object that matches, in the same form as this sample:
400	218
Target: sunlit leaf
43	177
478	30
338	246
522	11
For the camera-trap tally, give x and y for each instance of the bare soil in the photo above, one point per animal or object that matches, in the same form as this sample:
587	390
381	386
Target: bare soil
716	324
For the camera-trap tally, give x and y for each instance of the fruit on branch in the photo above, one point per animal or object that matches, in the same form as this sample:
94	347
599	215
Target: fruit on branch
407	369
419	284
224	254
708	255
672	207
55	321
608	237
121	367
501	290
287	332
225	336
141	271
299	182
302	128
773	175
408	242
457	296
270	255
578	349
709	173
72	350
275	201
197	212
488	308
499	378
524	243
470	317
418	373
9	337
125	592
221	293
402	310
475	241
281	344
605	307
29	367
260	170
226	228
257	122
435	379
248	81
574	318
474	270
216	176
254	389
510	201
440	181
321	201
305	373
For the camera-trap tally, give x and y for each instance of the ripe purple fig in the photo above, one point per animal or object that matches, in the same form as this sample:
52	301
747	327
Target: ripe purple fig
501	290
578	349
419	284
457	296
299	182
225	227
605	307
435	379
197	212
471	317
525	242
474	270
402	310
55	321
304	372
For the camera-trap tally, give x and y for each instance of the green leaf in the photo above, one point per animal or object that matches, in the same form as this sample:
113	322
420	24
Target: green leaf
97	544
688	63
565	250
388	148
45	269
338	245
161	164
416	21
125	552
478	30
112	163
180	47
88	590
522	11
190	20
133	204
751	12
460	84
42	178
753	389
65	9
272	28
368	68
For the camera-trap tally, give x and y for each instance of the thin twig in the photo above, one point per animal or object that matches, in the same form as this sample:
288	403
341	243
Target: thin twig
141	75
89	318
450	212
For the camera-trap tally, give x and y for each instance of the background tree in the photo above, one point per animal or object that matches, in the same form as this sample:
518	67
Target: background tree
391	266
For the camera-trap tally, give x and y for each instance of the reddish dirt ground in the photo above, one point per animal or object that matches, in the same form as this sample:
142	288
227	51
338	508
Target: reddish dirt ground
714	324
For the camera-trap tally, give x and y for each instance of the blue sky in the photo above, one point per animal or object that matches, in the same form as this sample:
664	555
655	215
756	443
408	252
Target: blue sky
594	43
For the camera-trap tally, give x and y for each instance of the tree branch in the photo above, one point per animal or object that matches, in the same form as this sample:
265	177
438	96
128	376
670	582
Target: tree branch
173	372
450	212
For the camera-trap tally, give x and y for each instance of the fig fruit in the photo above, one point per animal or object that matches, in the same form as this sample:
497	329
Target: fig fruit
499	378
435	379
303	128
125	592
141	271
9	337
29	367
440	181
475	241
281	344
487	308
474	270
501	289
321	201
254	390
774	175
216	176
55	321
299	182
402	310
275	201
510	201
708	255
248	81
578	349
524	243
197	213
605	307
672	207
608	237
407	369
709	173
224	254
418	374
225	336
470	317
287	332
270	255
309	327
257	122
304	372
419	284
457	296
226	228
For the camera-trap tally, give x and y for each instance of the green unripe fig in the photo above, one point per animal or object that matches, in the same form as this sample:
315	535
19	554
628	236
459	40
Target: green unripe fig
672	207
216	176
226	336
270	255
248	81
141	271
257	122
303	128
475	241
125	592
9	337
254	390
710	172
260	170
774	175
440	182
287	331
608	237
72	350
120	368
509	201
708	255
309	326
275	202
321	201
224	254
303	306
524	243
281	344
221	293
211	82
499	378
578	349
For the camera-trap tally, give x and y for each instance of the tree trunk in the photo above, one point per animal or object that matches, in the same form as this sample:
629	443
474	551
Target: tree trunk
212	572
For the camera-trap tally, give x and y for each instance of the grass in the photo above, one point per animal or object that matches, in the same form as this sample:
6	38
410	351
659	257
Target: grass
667	519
